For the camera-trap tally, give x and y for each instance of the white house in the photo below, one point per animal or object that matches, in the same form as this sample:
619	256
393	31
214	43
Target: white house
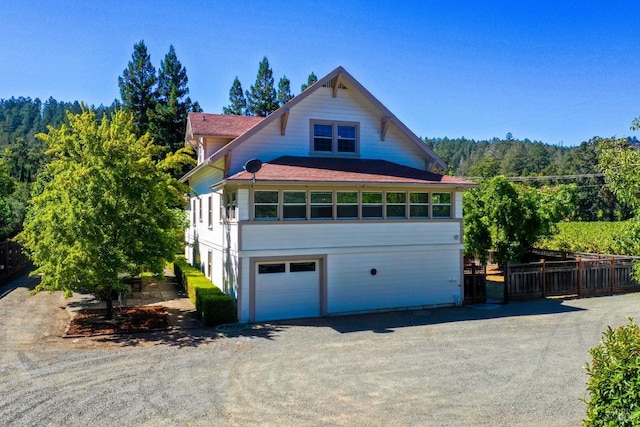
346	214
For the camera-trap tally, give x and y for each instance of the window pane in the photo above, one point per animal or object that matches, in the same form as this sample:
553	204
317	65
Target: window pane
266	197
321	212
370	211
442	211
347	211
294	212
347	132
419	198
323	130
295	267
323	197
419	211
396	211
347	197
271	268
294	197
346	145
396	197
321	144
372	198
444	198
266	211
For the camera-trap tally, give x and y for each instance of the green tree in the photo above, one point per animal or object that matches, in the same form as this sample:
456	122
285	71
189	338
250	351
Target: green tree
284	90
237	102
105	208
168	119
262	98
138	87
7	188
506	219
310	80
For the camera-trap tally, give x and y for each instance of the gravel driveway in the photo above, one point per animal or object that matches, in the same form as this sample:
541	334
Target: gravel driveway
515	364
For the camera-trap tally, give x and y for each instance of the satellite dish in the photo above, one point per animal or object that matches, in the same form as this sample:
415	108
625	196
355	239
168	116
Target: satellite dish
252	166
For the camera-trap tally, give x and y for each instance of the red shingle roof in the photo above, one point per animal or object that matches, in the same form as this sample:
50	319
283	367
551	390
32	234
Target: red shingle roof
321	169
221	124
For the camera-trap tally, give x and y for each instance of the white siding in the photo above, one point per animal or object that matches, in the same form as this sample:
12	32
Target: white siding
349	106
402	279
221	239
418	264
319	235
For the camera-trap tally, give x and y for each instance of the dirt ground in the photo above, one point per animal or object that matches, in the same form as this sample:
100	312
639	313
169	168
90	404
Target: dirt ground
518	364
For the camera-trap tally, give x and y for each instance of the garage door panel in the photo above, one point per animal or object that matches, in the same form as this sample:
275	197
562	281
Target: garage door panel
290	294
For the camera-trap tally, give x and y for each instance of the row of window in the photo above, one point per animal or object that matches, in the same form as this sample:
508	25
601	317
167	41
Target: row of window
319	205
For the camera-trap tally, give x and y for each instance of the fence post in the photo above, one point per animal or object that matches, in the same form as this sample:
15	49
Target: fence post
544	278
579	260
473	282
506	282
613	273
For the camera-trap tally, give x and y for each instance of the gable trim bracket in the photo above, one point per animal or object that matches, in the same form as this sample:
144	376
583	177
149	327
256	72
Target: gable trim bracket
336	85
284	118
385	127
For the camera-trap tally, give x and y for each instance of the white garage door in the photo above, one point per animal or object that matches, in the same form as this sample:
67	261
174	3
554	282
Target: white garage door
287	290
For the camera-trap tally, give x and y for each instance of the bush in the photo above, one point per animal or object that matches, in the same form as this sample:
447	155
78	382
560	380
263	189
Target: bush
212	305
217	309
614	378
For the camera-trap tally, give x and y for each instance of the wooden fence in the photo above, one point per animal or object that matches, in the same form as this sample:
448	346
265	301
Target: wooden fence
580	277
12	259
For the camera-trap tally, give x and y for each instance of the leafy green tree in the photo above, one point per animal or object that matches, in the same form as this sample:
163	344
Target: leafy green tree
284	90
138	87
503	218
262	98
238	103
7	187
310	80
105	208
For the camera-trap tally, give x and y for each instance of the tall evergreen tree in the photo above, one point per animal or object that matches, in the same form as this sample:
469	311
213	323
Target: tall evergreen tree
262	98
310	80
238	103
138	87
284	90
169	117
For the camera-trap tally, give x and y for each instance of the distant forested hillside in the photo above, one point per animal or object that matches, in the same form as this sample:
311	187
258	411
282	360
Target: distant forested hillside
519	158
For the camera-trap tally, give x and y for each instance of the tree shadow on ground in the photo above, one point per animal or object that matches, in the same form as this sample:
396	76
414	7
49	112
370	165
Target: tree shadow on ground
192	337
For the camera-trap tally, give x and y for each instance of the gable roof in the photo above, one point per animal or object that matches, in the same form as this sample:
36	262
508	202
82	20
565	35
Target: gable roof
338	77
332	78
205	124
291	170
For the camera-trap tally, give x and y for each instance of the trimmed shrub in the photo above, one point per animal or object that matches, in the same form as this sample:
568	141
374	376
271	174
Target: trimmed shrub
213	306
202	293
217	309
614	378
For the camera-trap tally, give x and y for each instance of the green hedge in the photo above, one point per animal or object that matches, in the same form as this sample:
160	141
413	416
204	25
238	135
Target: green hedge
614	379
217	309
213	306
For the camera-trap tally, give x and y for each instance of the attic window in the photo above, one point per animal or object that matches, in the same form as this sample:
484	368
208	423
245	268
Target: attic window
334	138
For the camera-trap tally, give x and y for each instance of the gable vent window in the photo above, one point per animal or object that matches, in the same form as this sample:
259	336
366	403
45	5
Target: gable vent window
334	138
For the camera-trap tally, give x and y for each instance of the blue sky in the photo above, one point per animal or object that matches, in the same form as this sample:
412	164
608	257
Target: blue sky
553	71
